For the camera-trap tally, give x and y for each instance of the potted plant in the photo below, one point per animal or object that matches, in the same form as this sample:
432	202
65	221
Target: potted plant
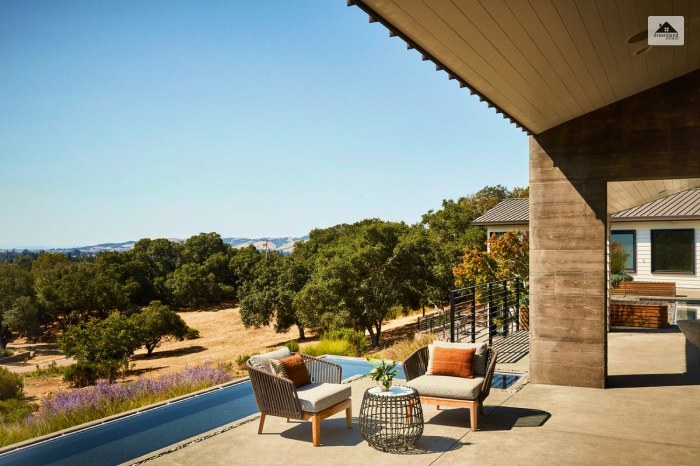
383	373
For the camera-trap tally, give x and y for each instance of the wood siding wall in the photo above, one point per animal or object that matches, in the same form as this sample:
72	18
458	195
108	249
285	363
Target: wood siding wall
643	273
652	135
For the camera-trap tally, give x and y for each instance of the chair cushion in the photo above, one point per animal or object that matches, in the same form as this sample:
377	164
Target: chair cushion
262	361
455	362
292	368
315	397
444	386
478	363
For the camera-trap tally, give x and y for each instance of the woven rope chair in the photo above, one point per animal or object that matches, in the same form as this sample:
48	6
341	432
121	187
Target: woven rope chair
277	396
416	366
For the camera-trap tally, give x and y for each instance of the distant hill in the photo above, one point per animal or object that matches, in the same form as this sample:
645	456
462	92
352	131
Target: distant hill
284	244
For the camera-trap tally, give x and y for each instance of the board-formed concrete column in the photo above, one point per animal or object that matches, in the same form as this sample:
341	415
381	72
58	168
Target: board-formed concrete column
651	135
567	276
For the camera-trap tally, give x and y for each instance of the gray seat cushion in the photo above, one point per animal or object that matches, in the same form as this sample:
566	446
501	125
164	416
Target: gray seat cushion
444	386
478	363
315	397
262	361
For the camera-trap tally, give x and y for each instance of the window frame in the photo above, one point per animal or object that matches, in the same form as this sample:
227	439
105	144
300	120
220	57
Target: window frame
634	247
692	252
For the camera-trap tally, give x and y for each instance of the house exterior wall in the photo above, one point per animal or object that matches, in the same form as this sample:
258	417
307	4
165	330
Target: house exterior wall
643	239
503	228
651	135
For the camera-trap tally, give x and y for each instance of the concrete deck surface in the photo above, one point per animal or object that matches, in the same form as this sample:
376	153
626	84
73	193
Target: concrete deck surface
651	415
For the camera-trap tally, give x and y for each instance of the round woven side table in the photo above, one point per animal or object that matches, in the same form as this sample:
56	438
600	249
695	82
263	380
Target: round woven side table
391	421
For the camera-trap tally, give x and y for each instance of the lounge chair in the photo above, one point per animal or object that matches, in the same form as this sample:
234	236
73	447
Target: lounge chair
278	396
443	390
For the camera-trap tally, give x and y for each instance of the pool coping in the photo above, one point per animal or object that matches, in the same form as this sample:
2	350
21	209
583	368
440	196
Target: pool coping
115	417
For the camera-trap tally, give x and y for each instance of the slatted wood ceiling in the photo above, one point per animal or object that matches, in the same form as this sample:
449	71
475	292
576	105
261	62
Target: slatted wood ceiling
545	62
623	195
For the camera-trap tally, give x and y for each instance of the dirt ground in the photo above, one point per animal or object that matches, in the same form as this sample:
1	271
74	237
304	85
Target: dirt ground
223	338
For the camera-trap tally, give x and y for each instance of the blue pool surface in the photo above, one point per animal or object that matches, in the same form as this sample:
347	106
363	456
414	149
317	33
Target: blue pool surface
133	436
136	435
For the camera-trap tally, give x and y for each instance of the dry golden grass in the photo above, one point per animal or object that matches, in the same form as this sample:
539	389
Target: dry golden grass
402	349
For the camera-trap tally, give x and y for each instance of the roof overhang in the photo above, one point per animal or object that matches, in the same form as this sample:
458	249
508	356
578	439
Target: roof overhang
542	63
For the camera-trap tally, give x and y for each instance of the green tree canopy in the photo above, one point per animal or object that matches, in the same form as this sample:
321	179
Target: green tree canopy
16	299
155	322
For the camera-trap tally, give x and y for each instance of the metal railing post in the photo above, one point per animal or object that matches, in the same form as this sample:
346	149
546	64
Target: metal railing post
452	316
474	316
505	312
517	304
488	314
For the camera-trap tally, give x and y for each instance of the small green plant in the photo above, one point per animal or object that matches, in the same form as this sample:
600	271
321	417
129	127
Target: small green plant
14	410
11	385
83	374
334	347
5	353
241	359
52	370
191	333
383	373
293	346
357	339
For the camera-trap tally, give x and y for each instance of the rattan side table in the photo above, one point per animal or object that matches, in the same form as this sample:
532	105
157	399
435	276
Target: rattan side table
391	421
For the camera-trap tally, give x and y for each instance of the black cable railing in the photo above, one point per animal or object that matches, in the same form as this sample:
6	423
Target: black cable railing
484	311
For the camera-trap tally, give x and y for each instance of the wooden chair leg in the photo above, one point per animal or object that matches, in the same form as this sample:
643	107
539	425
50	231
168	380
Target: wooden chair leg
473	415
262	423
348	417
437	406
481	408
316	430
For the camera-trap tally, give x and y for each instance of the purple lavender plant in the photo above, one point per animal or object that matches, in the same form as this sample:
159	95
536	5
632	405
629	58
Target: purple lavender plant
105	393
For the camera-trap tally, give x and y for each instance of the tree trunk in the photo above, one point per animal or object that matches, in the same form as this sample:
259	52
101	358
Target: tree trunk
302	335
5	336
371	336
376	335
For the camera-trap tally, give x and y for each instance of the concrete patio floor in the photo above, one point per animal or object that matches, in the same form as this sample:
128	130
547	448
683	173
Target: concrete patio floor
650	416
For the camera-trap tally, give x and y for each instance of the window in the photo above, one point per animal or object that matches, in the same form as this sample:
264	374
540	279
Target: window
628	239
673	251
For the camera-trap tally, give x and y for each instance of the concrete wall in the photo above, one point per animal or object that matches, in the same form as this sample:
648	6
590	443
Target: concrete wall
652	135
644	273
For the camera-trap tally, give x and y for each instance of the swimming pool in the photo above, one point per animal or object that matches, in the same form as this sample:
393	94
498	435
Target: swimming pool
132	436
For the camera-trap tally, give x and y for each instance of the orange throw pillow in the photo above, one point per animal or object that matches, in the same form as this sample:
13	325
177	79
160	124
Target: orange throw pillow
453	362
296	370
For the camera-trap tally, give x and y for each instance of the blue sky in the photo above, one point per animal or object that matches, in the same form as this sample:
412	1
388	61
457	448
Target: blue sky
129	119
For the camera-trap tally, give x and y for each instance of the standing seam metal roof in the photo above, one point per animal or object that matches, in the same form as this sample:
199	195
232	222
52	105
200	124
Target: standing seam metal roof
507	212
684	205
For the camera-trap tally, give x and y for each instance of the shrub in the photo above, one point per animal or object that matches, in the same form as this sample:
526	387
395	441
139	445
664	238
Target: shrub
5	353
241	359
618	258
82	374
101	347
191	333
52	370
14	410
357	339
11	385
293	346
334	347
